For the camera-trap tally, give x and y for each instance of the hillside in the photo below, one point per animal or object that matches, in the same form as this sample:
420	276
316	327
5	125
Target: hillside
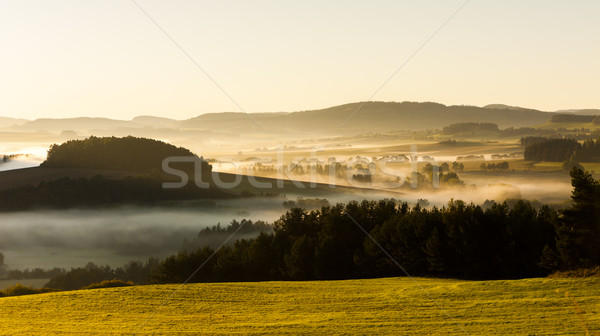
128	153
97	172
588	112
392	306
370	116
346	119
8	122
505	107
83	124
156	122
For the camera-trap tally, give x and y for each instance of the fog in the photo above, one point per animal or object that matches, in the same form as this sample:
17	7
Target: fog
115	236
73	237
18	164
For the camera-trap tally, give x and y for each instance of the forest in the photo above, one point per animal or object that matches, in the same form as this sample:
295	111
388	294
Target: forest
388	238
560	150
574	118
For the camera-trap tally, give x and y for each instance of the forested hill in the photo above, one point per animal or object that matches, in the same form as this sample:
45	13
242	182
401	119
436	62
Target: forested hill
128	153
349	118
371	116
135	176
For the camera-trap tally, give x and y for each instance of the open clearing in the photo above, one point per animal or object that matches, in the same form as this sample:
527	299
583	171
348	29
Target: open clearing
392	306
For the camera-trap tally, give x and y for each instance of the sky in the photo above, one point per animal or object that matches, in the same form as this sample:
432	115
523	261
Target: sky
61	59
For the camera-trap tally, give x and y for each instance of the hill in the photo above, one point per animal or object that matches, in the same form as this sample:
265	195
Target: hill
392	306
83	124
128	153
97	172
588	112
369	116
505	107
353	118
9	122
156	122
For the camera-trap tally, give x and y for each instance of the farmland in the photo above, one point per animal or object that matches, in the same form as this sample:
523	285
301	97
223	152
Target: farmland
541	306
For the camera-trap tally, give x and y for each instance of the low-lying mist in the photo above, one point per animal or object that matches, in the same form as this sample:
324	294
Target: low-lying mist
114	236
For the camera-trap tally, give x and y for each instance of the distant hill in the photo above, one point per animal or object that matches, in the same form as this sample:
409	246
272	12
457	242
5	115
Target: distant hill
369	117
77	124
9	122
588	112
157	122
506	107
347	119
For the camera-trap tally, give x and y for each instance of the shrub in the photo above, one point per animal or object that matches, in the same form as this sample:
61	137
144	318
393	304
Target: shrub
577	273
109	284
18	289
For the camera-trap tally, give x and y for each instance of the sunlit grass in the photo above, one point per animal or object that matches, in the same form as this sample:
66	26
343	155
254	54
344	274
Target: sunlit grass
391	306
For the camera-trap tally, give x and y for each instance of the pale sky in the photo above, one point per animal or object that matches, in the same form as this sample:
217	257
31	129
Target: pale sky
106	58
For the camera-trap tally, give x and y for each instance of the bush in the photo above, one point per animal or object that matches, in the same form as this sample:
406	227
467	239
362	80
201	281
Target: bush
577	273
109	284
18	290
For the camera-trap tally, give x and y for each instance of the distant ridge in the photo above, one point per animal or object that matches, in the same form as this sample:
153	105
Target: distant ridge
77	124
370	116
9	122
156	122
580	111
588	112
506	107
352	118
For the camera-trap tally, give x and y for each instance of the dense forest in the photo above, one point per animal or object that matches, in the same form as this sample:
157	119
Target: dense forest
128	153
560	150
459	240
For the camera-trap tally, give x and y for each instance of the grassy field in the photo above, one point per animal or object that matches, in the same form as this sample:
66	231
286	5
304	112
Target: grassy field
393	306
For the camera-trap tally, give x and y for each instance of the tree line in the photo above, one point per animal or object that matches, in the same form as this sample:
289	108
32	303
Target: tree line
560	150
573	118
495	166
458	240
77	278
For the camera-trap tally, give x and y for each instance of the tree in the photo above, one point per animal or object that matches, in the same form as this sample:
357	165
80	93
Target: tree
569	165
578	235
300	262
458	166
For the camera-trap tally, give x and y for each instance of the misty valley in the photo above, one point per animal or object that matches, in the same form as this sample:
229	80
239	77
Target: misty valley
299	168
468	201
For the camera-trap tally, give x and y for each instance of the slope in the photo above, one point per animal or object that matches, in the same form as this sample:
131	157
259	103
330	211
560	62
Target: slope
393	306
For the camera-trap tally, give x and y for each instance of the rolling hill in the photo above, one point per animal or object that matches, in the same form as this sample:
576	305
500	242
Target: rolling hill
9	122
344	119
392	306
369	117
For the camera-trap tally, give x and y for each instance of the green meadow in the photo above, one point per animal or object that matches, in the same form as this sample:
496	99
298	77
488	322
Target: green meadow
391	306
